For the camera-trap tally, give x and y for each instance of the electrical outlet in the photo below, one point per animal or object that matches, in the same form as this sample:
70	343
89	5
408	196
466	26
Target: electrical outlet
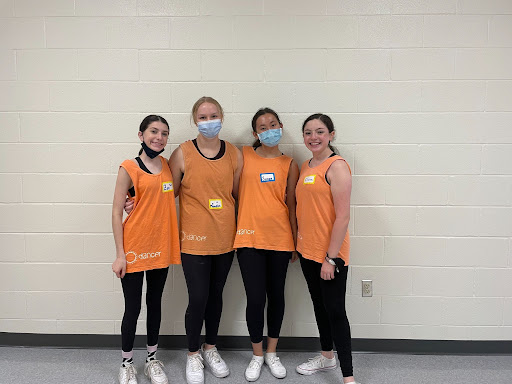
367	288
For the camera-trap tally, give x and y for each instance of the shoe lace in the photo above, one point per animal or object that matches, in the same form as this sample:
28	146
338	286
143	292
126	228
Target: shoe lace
254	364
273	360
155	368
195	363
213	356
315	361
130	372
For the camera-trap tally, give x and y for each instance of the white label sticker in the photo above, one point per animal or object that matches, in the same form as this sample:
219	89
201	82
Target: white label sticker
167	186
215	203
310	179
266	177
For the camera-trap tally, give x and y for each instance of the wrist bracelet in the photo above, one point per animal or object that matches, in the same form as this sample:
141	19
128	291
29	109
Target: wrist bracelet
331	261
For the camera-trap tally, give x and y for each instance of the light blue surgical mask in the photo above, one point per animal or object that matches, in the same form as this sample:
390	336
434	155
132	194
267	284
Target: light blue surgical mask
210	128
271	137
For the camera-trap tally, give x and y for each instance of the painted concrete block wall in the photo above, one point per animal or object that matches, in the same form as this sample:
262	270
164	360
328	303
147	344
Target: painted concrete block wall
420	92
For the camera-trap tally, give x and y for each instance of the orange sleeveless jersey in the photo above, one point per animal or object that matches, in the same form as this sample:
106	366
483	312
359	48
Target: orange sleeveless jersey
263	218
150	232
207	206
316	214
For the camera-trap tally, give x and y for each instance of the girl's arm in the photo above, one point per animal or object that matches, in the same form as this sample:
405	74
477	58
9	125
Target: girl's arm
340	179
123	184
238	172
177	166
293	176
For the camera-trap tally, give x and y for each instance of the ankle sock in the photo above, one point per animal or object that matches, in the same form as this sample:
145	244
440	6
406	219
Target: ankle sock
151	353
151	356
127	361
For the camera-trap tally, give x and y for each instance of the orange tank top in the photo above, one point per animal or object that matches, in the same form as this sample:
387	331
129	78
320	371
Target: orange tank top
263	217
316	214
207	206
150	232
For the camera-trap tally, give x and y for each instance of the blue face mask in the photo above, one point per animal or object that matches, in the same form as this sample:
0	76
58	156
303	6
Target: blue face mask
210	128
270	137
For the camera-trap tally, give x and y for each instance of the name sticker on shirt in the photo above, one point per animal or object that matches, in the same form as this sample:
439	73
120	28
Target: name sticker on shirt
167	186
215	203
309	179
266	177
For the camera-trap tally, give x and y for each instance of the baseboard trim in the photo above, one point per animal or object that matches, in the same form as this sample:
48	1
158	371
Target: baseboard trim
285	343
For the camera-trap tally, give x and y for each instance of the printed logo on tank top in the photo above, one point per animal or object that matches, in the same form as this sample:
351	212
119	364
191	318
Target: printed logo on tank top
215	203
190	237
310	179
167	186
245	232
266	177
132	257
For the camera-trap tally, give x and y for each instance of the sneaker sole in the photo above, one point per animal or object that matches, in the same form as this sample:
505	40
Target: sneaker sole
219	375
154	382
278	376
308	373
194	382
251	380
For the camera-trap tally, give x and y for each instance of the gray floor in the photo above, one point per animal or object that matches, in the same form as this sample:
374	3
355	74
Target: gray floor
69	366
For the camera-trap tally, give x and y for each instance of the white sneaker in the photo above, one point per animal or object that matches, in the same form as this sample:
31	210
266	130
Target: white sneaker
127	375
276	367
253	370
316	364
194	371
154	371
214	361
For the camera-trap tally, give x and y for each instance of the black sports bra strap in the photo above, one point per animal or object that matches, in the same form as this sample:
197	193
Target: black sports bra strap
142	165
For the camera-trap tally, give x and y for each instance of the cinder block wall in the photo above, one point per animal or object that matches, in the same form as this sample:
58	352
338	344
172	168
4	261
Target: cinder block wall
420	92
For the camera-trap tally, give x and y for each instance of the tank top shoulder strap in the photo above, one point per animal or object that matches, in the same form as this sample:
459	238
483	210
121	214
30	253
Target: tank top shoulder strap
187	147
338	157
231	151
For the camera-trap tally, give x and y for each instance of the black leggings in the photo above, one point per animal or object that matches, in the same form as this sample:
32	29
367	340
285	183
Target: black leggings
132	290
264	275
205	277
328	298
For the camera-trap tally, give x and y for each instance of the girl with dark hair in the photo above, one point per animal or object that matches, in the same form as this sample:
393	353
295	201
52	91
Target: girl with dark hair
323	243
265	237
147	241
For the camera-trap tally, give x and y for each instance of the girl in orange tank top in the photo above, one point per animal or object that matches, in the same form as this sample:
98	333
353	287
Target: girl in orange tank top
206	171
147	242
323	214
265	236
